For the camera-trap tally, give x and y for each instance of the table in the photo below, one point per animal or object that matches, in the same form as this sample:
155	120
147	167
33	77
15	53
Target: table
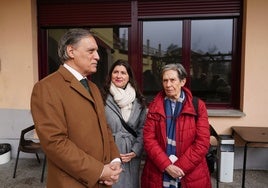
258	135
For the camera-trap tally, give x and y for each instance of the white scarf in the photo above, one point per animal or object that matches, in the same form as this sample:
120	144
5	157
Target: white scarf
124	99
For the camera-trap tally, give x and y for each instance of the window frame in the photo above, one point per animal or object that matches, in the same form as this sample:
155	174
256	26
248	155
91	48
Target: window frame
53	13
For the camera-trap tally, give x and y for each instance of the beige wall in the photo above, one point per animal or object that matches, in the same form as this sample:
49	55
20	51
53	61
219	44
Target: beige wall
256	63
18	52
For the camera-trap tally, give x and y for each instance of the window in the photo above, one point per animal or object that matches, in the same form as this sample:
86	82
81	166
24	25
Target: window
151	33
210	61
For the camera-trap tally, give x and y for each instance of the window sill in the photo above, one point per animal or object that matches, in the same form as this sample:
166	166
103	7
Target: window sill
225	113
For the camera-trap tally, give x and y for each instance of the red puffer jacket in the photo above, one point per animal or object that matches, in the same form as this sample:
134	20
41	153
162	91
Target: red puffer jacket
191	145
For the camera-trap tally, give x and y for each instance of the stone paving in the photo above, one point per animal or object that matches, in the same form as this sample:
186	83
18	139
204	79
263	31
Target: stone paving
29	175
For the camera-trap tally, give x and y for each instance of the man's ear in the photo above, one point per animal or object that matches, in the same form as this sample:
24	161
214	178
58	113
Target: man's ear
70	51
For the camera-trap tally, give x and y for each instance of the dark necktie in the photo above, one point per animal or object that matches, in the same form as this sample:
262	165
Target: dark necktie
85	83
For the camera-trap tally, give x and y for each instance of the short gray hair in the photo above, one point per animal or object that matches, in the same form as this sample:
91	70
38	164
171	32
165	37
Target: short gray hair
71	37
182	74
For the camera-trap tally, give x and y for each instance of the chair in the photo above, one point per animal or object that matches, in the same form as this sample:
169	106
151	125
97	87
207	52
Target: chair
29	146
213	150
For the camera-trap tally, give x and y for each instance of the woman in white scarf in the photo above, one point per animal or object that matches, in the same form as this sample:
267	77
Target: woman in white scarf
123	100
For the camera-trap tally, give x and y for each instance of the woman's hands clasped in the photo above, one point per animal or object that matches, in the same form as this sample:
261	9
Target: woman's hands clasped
175	171
127	156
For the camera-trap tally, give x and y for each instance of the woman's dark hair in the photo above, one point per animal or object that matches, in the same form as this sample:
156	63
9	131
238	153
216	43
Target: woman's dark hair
132	81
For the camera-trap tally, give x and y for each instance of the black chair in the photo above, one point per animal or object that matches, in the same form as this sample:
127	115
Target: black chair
29	146
212	156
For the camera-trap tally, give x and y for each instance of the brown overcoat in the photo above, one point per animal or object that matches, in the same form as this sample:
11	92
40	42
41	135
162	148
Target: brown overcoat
72	129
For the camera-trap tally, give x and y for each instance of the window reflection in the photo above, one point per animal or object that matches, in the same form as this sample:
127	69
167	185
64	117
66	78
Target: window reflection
210	63
162	44
211	56
211	59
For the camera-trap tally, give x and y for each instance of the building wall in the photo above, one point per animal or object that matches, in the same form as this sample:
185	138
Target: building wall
18	67
254	66
253	81
19	71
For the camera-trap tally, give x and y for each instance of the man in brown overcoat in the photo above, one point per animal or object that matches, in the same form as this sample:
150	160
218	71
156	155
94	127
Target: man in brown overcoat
70	120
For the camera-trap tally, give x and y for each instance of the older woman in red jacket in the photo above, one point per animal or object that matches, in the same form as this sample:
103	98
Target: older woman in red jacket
176	139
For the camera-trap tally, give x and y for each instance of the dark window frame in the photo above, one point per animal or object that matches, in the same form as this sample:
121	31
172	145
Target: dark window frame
53	14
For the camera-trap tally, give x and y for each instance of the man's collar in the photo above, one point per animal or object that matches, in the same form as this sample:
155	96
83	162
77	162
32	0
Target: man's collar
76	74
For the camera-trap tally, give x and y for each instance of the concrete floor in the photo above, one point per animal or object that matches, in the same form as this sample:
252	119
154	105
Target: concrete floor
29	175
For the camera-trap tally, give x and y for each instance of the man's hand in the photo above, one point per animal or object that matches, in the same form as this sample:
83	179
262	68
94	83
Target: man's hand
111	173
